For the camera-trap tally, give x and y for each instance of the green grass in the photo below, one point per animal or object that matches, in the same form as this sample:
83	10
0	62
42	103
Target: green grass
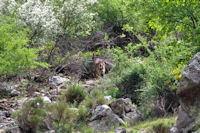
160	125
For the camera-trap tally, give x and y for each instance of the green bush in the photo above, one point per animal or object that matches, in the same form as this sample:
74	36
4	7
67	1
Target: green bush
109	12
130	82
83	117
62	117
75	94
158	79
15	54
83	114
31	116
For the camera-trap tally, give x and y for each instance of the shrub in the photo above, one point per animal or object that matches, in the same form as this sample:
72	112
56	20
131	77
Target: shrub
130	82
46	19
83	114
75	94
83	117
15	55
31	116
62	117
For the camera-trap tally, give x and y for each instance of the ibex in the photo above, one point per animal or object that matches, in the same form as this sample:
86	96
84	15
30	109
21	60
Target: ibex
99	66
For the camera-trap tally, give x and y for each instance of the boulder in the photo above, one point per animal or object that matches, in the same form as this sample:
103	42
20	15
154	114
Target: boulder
189	97
103	119
108	98
125	110
120	130
13	130
14	93
132	117
57	82
46	99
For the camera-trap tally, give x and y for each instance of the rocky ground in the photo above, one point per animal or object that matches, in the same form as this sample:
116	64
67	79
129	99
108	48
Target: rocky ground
119	112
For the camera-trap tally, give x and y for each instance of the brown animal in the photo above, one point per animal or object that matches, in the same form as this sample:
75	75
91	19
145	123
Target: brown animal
99	66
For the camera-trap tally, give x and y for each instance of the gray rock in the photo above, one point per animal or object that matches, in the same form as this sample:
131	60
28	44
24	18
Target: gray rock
14	93
2	116
125	110
36	94
189	97
13	130
108	98
103	119
101	111
122	106
57	80
50	131
46	99
174	130
132	118
120	130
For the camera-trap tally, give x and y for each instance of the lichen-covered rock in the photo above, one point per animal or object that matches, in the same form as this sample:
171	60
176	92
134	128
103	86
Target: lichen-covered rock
103	119
57	82
189	97
124	108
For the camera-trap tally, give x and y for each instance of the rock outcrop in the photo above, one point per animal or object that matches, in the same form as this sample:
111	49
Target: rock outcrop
125	110
104	119
189	98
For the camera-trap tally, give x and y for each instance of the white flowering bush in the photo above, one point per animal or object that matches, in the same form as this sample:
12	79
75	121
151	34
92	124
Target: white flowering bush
49	18
7	6
75	18
40	18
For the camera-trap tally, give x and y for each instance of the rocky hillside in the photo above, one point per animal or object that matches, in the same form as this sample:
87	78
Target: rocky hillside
93	66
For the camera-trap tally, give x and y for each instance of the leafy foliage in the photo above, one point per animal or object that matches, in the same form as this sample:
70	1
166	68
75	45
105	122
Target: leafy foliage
130	82
15	55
